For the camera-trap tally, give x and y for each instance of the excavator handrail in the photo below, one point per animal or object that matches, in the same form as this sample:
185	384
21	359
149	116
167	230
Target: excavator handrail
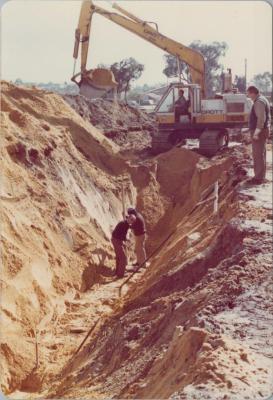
192	58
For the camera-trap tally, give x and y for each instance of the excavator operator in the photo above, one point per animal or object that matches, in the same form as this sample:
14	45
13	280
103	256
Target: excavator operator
181	105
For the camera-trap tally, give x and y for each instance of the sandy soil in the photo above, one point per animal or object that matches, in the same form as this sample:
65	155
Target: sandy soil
196	324
127	126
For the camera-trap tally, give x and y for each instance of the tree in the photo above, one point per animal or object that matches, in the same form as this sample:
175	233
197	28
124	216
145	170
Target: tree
263	82
212	53
240	83
125	72
171	68
18	82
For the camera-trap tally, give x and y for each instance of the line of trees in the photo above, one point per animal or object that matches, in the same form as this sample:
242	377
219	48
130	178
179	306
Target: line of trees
213	72
262	81
212	53
129	70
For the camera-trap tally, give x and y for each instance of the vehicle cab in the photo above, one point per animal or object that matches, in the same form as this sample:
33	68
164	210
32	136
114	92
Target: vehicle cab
169	109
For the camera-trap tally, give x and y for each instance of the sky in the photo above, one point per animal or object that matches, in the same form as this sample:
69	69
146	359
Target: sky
37	36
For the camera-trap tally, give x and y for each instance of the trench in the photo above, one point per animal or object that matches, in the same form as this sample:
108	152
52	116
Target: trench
122	358
191	218
107	353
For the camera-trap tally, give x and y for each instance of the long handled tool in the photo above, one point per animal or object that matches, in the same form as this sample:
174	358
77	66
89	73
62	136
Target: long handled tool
88	334
147	259
68	364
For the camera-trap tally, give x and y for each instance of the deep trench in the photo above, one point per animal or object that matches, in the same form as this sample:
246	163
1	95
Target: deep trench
105	352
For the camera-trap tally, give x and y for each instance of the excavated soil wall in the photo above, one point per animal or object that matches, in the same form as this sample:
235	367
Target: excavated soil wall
64	186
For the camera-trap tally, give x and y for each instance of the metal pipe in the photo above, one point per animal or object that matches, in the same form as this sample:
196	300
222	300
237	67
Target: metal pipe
88	334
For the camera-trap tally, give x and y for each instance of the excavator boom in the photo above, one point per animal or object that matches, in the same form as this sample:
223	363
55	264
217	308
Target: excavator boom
192	58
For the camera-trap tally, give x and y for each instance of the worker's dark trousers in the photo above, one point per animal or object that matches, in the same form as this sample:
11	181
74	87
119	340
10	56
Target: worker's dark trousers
259	154
140	249
121	258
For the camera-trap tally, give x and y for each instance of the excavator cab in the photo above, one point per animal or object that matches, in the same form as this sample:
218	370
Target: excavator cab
176	115
171	97
179	103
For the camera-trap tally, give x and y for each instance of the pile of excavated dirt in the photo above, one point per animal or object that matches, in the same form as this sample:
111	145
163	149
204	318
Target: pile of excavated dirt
127	126
184	328
59	201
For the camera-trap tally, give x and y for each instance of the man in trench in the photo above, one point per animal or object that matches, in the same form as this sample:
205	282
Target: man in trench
138	227
259	126
119	236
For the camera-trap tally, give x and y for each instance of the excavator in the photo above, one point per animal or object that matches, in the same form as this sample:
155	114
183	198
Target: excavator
206	119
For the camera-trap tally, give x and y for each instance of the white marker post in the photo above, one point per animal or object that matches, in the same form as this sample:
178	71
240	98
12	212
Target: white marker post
216	196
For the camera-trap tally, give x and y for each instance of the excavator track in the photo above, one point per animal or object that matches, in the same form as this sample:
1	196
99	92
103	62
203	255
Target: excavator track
211	141
161	142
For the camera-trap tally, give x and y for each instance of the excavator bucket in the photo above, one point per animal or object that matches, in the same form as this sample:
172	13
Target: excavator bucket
96	83
103	77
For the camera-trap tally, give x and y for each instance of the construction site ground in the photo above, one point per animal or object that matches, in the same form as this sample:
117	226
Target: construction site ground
196	323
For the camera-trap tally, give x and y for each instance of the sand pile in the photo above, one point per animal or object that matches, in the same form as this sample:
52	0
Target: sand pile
59	202
198	361
127	126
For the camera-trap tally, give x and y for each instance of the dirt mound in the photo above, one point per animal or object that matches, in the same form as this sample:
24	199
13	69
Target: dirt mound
198	360
127	126
59	202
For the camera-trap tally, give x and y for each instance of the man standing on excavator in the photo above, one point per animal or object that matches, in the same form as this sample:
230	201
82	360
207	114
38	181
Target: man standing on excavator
138	227
259	126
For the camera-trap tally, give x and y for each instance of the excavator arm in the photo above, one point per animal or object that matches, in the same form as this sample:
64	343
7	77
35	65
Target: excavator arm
82	33
192	58
92	83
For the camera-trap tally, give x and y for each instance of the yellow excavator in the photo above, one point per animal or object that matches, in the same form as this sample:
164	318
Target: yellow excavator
198	118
